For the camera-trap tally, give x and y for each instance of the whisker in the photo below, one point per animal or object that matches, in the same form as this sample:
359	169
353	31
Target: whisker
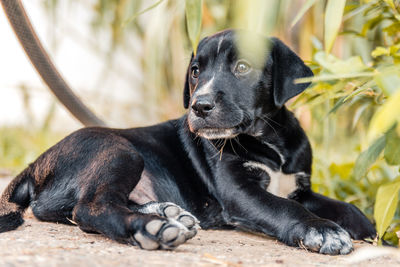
216	154
216	148
218	143
222	149
269	125
237	141
230	141
271	120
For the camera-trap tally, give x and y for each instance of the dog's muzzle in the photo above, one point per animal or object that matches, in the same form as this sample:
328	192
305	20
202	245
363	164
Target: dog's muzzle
202	106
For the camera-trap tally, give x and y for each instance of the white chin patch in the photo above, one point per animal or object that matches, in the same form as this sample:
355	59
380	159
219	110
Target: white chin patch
217	133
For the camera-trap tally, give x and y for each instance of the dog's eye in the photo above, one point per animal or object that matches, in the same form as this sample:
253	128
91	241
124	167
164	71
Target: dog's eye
242	67
195	72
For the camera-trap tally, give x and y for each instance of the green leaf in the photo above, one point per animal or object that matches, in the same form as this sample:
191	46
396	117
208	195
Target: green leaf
359	90
388	79
385	116
134	16
391	4
371	24
330	77
194	10
338	104
358	10
392	29
394	48
337	66
302	11
255	16
333	20
358	113
387	198
392	148
368	157
343	170
380	51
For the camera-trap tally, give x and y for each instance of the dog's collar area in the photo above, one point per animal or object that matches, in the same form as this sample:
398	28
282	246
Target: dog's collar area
216	133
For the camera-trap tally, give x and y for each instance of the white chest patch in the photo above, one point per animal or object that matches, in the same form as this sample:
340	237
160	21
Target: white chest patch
281	184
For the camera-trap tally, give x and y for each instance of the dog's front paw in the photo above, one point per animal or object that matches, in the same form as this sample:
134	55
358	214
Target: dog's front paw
321	236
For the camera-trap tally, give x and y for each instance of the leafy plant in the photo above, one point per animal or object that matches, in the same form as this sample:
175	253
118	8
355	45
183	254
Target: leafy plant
375	84
351	111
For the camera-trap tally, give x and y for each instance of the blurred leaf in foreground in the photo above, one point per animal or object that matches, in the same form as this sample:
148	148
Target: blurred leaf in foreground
333	20
385	205
134	16
368	157
386	116
392	148
302	11
194	15
256	17
337	66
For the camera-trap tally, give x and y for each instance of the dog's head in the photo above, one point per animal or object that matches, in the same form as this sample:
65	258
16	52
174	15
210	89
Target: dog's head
229	93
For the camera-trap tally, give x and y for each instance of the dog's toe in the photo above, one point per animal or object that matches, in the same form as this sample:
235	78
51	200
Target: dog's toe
171	211
169	234
336	242
173	236
145	242
327	238
187	220
162	234
313	240
154	226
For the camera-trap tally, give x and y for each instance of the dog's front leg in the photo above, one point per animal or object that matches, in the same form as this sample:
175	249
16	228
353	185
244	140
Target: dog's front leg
248	205
345	214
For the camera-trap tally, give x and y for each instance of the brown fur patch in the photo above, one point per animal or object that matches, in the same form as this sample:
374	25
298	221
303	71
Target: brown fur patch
7	207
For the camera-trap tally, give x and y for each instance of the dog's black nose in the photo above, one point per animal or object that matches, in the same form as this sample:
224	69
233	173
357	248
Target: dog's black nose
203	106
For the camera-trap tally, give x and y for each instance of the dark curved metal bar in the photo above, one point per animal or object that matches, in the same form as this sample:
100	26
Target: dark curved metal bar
41	61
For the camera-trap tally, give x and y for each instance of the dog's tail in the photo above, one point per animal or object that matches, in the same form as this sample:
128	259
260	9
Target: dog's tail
15	199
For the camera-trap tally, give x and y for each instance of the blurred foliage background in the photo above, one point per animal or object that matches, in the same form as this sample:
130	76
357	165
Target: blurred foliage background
350	112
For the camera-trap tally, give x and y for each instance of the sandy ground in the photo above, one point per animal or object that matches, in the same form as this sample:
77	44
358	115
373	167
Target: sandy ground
47	244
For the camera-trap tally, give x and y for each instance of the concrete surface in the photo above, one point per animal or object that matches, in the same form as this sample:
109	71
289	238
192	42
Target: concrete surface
47	244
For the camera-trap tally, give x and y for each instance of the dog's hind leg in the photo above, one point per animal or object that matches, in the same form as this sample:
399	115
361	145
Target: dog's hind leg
15	199
103	207
344	214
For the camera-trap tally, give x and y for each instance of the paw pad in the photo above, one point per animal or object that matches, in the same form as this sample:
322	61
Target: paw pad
174	227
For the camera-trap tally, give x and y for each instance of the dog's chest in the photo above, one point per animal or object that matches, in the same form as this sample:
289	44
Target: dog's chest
268	158
280	184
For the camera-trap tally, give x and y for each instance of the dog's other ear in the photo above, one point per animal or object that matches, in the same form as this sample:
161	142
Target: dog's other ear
186	90
286	68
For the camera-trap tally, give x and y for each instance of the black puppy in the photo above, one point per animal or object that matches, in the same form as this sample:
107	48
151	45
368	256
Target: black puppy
238	158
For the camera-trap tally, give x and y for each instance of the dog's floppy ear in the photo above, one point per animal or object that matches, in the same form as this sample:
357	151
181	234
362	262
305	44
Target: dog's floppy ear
186	90
286	68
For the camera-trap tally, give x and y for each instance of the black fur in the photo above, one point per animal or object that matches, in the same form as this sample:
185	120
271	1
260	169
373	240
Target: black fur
216	163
